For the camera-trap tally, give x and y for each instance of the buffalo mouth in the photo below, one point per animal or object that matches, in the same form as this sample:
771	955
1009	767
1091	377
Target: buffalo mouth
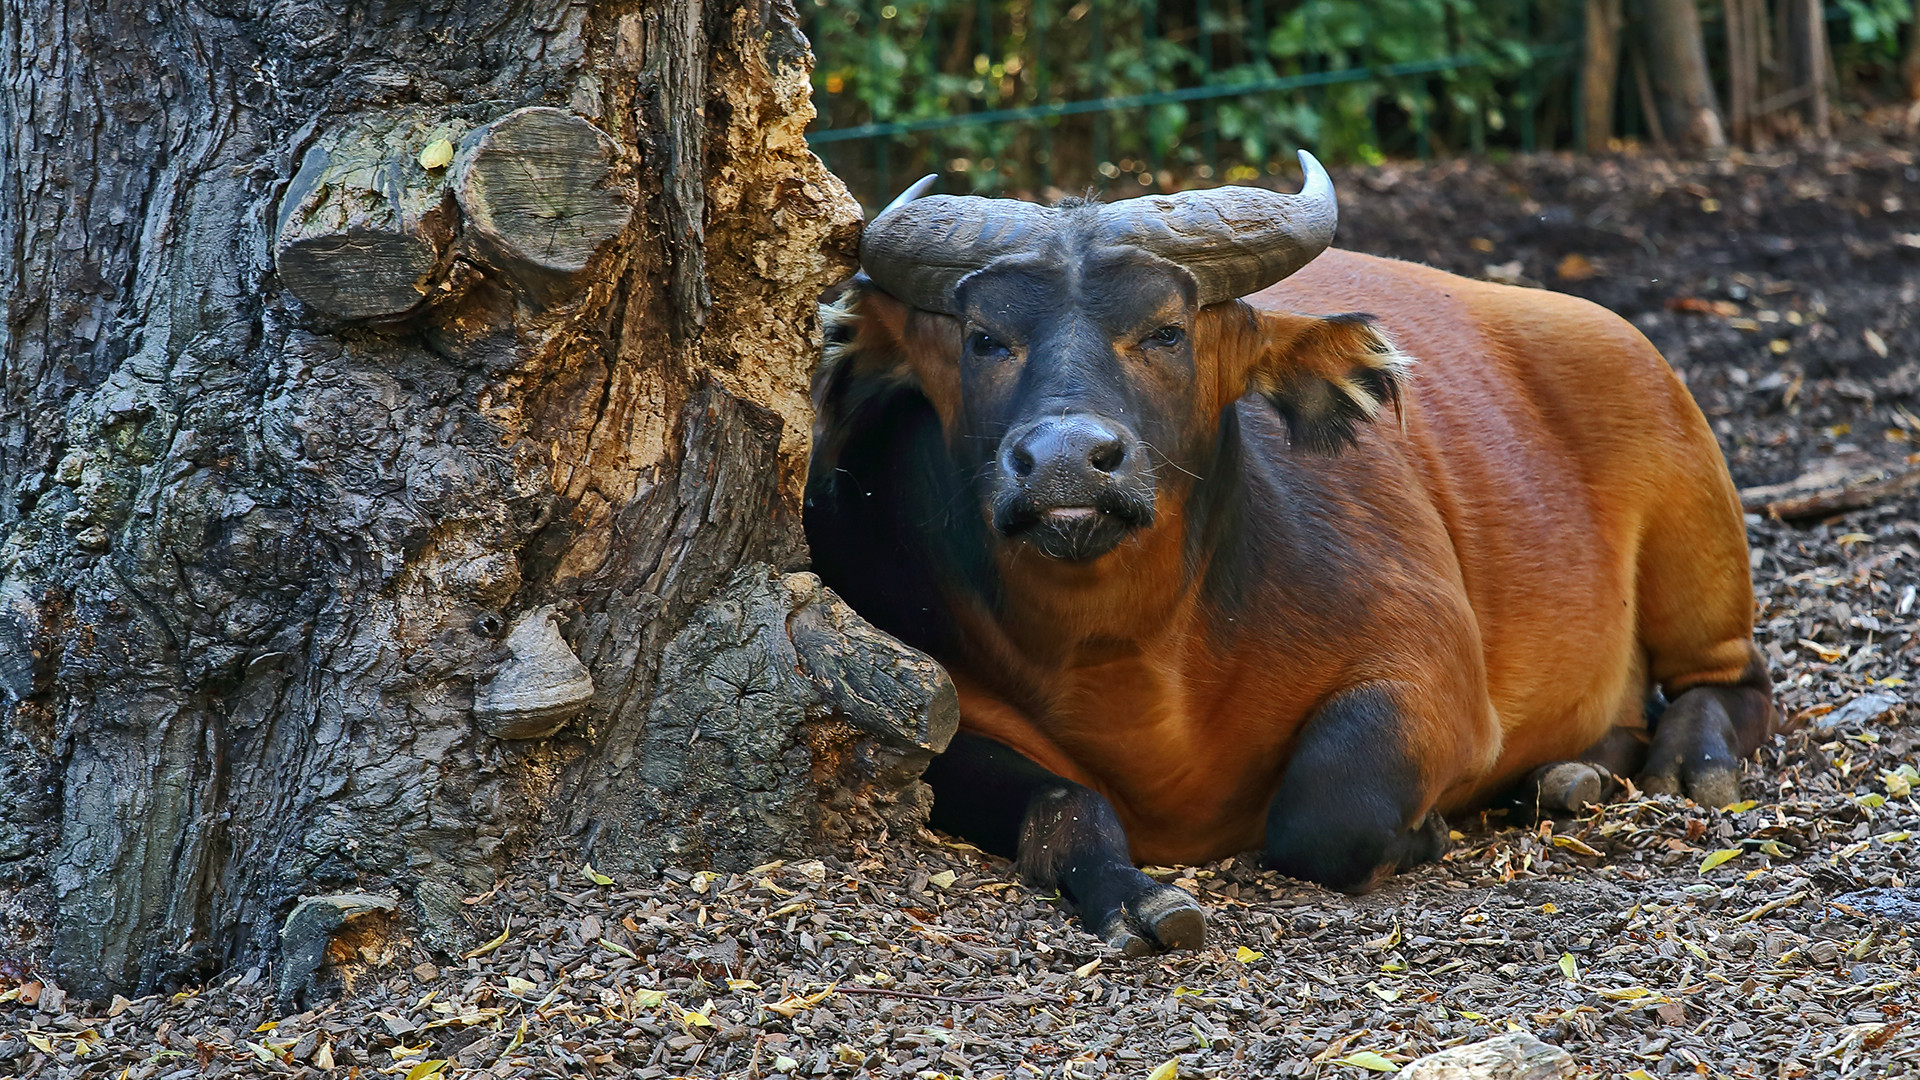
1072	533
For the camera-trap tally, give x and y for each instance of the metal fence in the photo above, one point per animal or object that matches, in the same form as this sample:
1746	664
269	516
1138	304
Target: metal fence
1021	94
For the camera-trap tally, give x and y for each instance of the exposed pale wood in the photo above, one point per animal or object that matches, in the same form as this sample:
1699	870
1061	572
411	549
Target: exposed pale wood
1828	491
1516	1056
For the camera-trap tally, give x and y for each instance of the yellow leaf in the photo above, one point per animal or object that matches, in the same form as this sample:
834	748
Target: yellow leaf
942	880
489	946
519	1037
1088	968
40	1043
1898	786
435	156
649	999
742	984
693	1019
1639	1074
847	1055
268	1026
1626	993
520	987
1166	1070
1740	807
1548	909
1573	844
784	1064
399	1052
1718	857
1246	955
1569	967
1854	538
1472	1015
587	871
1694	949
426	1069
1368	1060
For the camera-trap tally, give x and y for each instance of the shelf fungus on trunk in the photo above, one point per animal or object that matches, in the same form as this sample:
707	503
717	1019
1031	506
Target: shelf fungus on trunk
540	687
543	194
366	226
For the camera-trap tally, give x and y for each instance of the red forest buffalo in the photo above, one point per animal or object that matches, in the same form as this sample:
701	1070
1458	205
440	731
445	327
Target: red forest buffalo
1213	574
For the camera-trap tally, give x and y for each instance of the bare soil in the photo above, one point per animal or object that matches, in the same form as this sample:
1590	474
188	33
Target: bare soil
1771	938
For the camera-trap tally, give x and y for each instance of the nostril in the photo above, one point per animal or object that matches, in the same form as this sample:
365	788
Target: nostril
1107	456
1020	461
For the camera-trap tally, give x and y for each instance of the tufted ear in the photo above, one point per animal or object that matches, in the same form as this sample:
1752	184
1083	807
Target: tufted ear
1326	375
862	360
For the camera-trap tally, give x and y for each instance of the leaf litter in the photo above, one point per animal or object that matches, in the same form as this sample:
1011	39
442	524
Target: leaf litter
1649	936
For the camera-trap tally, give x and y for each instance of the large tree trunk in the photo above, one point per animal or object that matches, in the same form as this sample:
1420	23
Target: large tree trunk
385	390
1676	59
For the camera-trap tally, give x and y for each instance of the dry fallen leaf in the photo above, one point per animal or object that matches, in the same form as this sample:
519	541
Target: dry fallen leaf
1368	1060
1718	857
1166	1070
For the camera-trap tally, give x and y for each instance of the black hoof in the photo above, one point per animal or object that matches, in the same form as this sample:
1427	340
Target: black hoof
1174	918
1568	786
1694	750
1158	918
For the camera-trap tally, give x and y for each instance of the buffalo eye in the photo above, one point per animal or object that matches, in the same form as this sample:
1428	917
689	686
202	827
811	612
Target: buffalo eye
985	344
1166	337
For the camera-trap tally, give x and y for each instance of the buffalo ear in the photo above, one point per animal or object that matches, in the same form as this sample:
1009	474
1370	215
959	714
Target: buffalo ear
1327	375
862	362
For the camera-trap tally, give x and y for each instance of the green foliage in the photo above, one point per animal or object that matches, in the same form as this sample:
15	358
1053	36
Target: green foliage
1877	22
906	60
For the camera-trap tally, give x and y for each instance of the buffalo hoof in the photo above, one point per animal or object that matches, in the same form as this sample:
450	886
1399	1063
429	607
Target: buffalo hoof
1569	786
1158	918
1693	751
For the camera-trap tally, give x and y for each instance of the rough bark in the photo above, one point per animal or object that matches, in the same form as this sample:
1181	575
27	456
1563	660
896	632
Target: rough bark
1676	61
382	389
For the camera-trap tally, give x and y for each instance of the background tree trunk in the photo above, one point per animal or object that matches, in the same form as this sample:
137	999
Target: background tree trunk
1676	59
382	396
1600	73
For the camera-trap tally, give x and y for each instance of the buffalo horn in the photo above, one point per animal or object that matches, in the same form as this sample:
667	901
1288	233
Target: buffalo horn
919	249
1233	240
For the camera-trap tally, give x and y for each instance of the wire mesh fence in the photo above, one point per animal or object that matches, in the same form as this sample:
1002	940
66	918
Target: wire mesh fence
1031	95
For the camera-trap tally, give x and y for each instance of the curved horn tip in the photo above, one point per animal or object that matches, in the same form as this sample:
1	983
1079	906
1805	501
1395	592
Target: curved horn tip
1313	171
915	190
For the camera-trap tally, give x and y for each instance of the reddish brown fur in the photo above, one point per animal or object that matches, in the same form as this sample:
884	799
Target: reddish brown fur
1547	528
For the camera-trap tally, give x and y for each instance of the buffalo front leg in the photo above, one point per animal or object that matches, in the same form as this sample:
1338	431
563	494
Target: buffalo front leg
1060	835
1699	741
1350	809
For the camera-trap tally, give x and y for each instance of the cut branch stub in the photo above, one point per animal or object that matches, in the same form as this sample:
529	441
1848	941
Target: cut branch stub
364	226
541	686
542	195
308	932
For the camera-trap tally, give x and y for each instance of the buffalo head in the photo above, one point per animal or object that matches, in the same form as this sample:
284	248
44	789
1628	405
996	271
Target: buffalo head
1079	356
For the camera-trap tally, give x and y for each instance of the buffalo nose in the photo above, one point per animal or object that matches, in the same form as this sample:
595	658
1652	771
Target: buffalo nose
1073	444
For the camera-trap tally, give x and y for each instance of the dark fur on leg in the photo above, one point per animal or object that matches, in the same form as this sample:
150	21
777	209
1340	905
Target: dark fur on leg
1059	834
1348	810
